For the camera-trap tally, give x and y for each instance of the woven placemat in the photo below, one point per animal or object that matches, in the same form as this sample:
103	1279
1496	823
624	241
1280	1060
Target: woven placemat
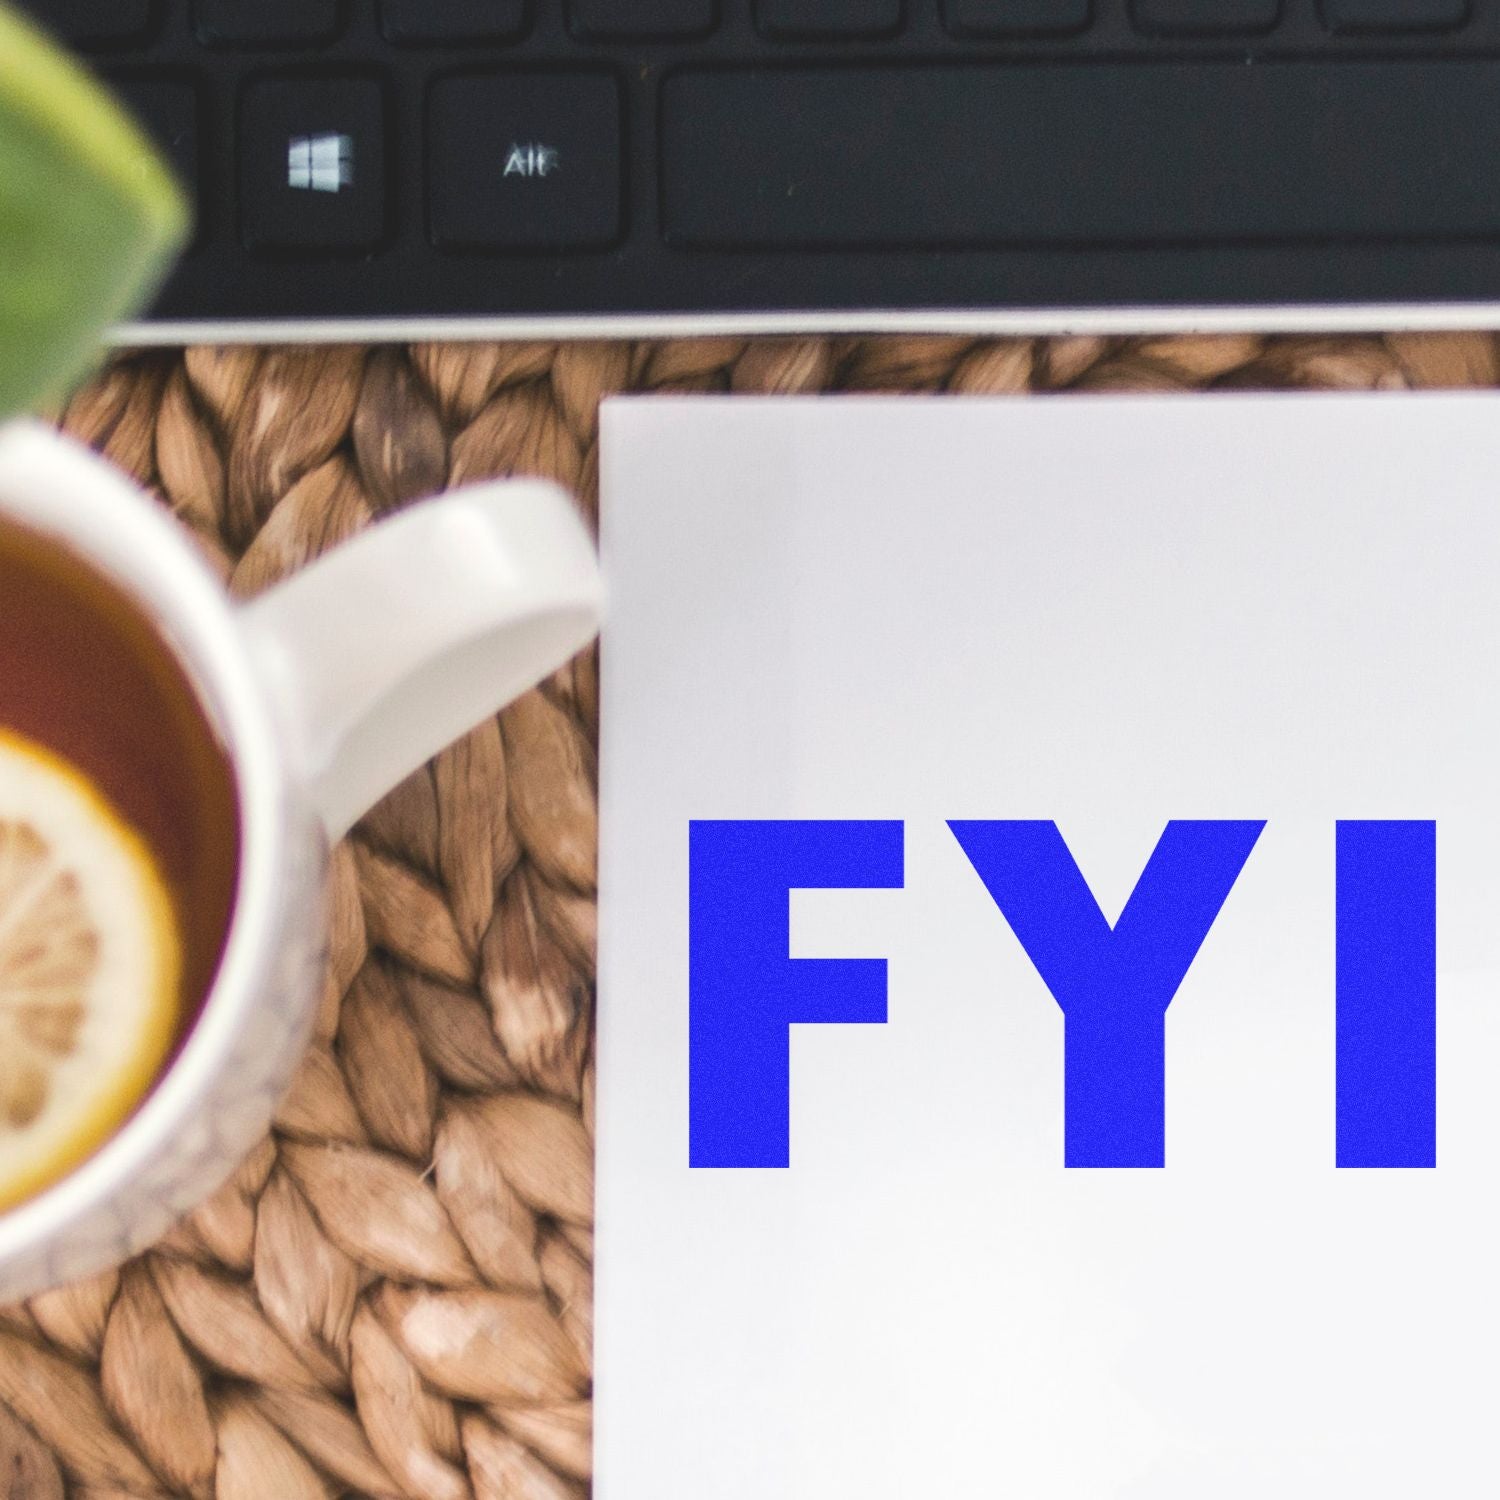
393	1296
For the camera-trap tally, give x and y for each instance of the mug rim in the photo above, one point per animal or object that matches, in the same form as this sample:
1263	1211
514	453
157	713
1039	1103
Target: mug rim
55	486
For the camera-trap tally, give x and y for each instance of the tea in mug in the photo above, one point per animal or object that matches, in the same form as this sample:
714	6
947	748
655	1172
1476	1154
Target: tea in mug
119	845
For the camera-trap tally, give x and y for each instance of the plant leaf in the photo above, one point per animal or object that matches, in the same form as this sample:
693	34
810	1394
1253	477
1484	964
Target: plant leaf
89	216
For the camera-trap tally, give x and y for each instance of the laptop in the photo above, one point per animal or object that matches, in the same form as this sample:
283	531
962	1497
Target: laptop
370	169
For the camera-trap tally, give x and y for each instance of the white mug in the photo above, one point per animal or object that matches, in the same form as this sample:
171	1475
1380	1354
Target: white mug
327	691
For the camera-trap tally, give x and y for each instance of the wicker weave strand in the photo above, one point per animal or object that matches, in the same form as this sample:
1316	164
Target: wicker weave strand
392	1297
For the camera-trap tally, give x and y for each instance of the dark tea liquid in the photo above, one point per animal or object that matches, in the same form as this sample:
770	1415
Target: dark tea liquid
85	673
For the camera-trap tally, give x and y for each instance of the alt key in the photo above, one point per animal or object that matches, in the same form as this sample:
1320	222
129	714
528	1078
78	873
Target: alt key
524	161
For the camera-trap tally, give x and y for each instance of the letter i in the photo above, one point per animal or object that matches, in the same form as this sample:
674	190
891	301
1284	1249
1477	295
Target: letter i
1387	994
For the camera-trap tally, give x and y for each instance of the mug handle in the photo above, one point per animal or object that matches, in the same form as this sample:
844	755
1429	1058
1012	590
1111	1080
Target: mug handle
391	646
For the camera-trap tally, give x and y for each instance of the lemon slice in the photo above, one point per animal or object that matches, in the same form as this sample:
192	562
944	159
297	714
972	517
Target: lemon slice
89	969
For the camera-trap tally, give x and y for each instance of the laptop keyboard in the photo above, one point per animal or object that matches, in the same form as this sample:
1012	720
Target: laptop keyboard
415	161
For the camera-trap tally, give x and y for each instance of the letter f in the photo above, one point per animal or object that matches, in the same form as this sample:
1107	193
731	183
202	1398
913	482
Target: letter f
745	990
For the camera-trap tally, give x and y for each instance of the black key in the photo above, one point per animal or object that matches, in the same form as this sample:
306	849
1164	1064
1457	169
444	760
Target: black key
168	109
524	161
1063	153
829	18
267	23
1205	17
1015	17
418	21
312	164
95	23
642	20
1395	15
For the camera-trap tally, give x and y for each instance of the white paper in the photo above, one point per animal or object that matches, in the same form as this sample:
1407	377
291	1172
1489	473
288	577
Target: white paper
1109	612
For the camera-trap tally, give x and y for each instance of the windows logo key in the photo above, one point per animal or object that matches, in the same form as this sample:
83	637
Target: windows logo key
320	163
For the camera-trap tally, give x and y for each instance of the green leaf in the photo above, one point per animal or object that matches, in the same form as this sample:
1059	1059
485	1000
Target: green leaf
89	216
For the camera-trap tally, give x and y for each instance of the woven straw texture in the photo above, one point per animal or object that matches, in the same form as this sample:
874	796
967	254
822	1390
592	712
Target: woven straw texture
393	1296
